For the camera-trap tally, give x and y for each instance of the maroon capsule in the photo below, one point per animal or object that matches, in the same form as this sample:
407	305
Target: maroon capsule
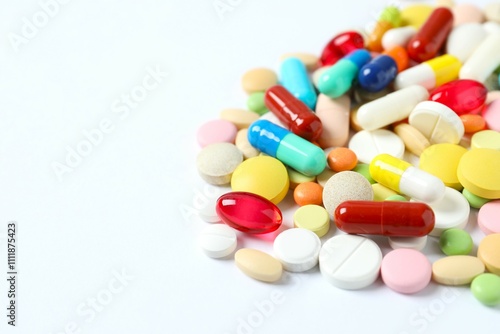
293	113
431	36
390	218
249	213
340	46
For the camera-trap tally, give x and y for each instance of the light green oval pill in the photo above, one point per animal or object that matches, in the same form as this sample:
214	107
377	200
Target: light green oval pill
455	242
486	289
397	198
392	15
474	200
364	169
256	103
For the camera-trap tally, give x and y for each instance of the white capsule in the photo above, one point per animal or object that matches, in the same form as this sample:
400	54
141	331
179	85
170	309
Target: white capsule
398	37
483	61
464	39
391	108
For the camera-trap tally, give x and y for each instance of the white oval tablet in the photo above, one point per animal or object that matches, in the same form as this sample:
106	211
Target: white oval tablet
451	211
217	240
350	261
417	243
368	144
297	249
437	122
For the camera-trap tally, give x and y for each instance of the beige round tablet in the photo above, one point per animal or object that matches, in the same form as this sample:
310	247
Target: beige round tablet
258	80
313	218
345	186
244	145
325	175
310	60
240	117
217	162
414	140
258	265
456	269
492	11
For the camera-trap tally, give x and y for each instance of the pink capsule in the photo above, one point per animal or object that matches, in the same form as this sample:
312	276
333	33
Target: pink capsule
462	96
249	213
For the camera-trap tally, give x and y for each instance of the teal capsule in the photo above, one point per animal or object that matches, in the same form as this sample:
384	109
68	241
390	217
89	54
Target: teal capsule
338	79
294	77
292	150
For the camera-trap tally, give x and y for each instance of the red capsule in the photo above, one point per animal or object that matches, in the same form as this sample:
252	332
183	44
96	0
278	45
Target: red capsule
249	213
293	113
340	46
430	38
462	96
394	219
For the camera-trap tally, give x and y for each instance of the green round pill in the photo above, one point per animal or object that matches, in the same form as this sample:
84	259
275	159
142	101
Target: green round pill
455	242
474	201
397	198
392	15
256	103
364	169
486	289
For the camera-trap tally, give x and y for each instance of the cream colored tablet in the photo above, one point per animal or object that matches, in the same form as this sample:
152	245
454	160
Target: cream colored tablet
258	265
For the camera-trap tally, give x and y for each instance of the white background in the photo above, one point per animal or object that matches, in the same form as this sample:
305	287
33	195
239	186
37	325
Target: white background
126	206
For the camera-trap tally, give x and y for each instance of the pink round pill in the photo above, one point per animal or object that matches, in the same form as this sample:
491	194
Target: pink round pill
487	218
216	131
492	115
406	270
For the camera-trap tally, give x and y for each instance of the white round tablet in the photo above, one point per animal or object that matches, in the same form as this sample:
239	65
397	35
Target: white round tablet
297	249
368	144
437	122
217	240
416	243
350	261
451	211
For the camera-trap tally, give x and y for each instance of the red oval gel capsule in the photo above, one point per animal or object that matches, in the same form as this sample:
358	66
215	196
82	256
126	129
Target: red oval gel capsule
430	38
293	113
248	212
462	96
395	219
341	45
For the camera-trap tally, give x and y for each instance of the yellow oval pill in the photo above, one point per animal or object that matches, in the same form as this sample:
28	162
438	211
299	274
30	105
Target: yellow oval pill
457	269
240	117
486	139
416	15
414	140
313	218
258	265
380	192
441	160
479	172
262	175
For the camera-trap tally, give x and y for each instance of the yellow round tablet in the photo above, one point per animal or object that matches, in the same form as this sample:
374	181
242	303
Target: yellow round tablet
479	172
441	160
486	139
312	217
416	15
262	175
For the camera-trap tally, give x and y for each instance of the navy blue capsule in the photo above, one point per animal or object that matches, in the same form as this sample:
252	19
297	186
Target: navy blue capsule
378	73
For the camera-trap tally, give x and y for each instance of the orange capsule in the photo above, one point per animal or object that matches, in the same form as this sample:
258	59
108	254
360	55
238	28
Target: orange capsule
400	56
473	123
342	159
374	40
308	193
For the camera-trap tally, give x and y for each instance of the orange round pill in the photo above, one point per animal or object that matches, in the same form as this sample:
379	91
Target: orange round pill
308	193
473	123
342	159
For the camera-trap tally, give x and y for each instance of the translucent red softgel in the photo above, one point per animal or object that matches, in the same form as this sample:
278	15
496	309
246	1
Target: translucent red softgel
341	45
462	96
249	213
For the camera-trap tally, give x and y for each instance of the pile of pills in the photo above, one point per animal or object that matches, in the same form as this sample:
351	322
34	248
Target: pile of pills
394	132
